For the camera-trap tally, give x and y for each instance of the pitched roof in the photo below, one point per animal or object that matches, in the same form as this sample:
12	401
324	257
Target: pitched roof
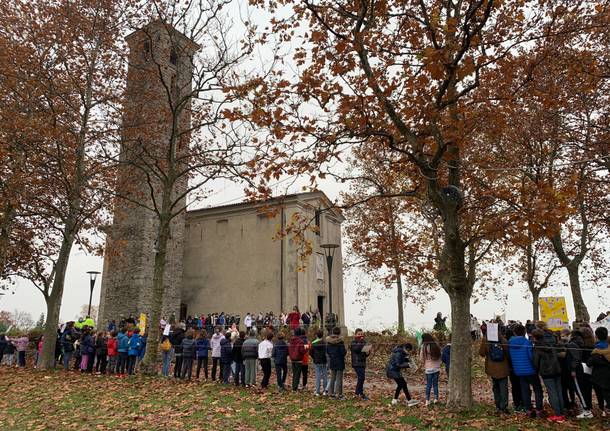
276	200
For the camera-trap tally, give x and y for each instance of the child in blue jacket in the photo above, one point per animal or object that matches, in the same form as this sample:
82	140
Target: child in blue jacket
135	346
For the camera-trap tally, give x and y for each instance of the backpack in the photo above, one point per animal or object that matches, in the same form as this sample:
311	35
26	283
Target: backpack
166	346
496	354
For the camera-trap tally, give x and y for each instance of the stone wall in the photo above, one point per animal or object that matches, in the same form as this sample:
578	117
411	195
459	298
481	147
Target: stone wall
159	58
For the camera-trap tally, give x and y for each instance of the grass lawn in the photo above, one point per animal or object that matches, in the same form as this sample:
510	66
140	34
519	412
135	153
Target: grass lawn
36	400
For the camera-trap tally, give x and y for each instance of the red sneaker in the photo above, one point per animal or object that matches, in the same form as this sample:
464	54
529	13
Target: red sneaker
560	419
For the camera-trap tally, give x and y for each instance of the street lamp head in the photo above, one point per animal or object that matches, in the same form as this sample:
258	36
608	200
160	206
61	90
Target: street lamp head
93	274
329	246
329	249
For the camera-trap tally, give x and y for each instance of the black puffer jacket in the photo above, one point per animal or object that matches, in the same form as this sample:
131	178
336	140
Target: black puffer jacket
358	356
399	360
176	340
335	349
600	362
576	354
318	351
546	360
237	350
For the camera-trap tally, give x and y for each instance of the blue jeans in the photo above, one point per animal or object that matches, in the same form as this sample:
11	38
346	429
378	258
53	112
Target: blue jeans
66	358
432	382
321	377
553	388
240	373
360	382
281	371
167	361
226	372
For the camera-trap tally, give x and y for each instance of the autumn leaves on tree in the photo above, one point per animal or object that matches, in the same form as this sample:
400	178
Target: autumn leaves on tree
426	84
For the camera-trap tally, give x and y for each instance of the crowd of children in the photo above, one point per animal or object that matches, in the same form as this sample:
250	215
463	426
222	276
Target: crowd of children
571	364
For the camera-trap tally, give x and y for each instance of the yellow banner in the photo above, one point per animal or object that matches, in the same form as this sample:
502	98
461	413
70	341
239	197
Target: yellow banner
554	312
142	323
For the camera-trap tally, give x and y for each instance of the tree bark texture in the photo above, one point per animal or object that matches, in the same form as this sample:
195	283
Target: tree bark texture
149	364
580	309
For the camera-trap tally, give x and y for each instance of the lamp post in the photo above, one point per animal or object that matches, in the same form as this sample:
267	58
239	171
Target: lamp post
329	252
92	277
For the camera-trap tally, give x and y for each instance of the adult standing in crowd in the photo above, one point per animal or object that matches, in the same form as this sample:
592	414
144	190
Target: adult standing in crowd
176	339
240	370
249	353
294	318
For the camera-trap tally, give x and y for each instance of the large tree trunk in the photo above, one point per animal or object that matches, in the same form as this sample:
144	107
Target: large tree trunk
572	266
460	390
580	309
400	301
149	364
53	300
535	304
454	278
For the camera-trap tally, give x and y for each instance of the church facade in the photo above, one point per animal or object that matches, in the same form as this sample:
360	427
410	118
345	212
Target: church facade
236	261
224	259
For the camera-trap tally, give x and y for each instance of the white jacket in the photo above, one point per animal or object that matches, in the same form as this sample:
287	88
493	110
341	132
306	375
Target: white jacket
264	349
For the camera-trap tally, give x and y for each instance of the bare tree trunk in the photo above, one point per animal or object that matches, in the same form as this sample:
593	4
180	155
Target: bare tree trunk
580	309
460	391
53	300
149	364
454	278
400	301
535	304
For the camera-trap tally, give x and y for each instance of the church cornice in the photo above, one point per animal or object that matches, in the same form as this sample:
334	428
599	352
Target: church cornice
303	200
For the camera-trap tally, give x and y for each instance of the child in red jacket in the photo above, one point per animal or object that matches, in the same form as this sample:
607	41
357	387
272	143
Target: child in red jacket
113	353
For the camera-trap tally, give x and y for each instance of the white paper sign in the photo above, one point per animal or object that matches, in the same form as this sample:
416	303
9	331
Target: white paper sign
166	329
492	332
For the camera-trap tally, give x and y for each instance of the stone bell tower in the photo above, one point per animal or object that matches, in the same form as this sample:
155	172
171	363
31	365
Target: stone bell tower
159	79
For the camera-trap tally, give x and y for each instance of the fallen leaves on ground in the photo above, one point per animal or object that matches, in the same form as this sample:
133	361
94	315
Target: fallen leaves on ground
38	400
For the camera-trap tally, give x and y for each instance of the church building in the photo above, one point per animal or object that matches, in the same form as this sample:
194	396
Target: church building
235	260
229	258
